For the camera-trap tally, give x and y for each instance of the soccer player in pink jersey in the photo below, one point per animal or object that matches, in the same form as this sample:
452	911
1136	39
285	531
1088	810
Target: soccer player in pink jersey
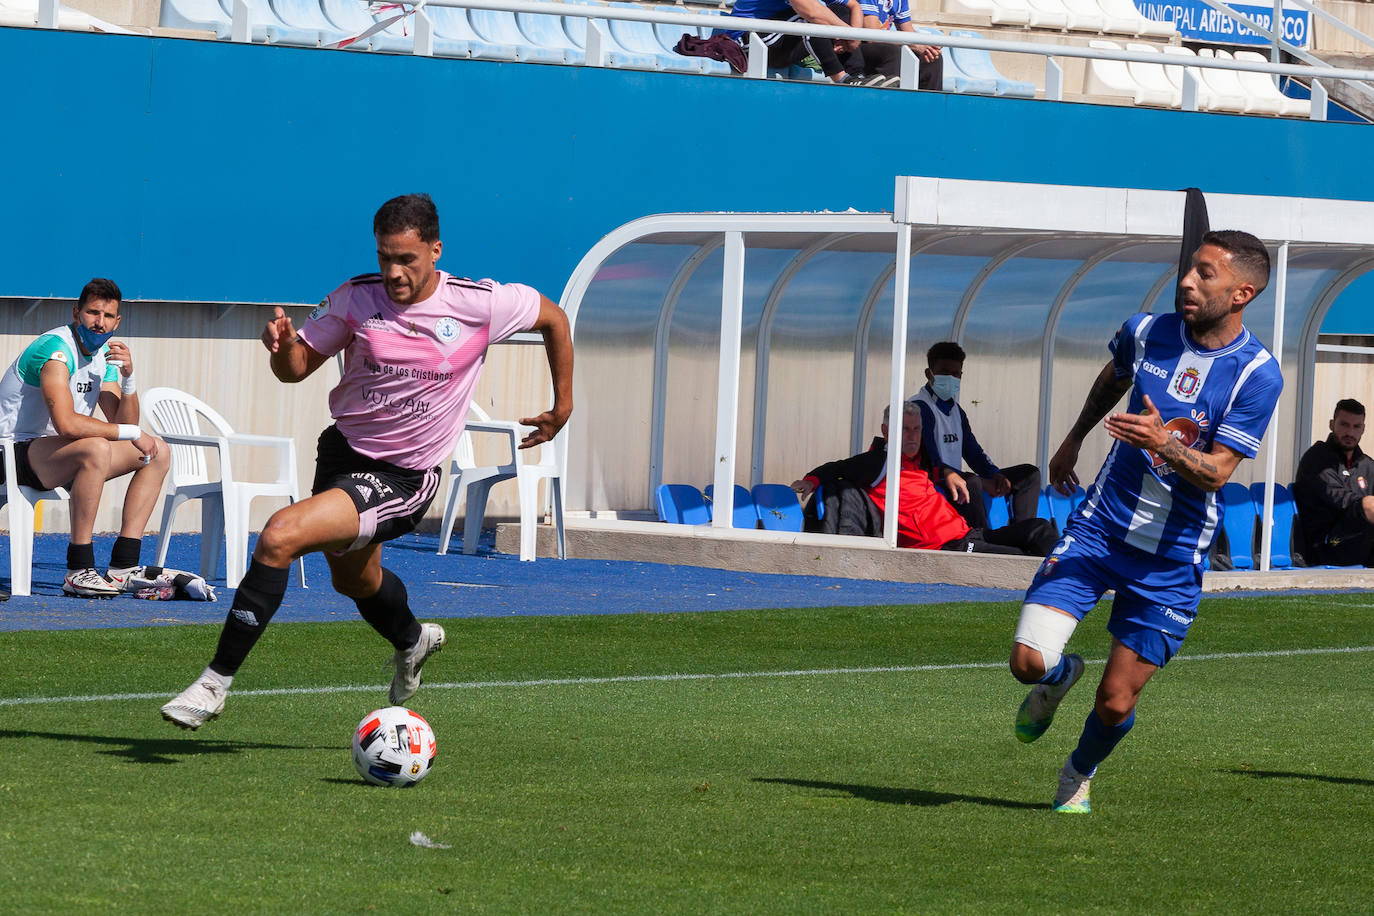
414	339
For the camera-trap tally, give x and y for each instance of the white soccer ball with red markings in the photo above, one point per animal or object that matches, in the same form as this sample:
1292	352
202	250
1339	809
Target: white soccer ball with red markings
393	747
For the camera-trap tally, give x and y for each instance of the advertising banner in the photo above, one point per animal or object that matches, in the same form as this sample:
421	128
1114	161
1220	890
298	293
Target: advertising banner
1197	21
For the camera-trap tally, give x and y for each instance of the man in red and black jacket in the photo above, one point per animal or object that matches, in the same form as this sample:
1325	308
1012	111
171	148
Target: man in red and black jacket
927	519
1333	495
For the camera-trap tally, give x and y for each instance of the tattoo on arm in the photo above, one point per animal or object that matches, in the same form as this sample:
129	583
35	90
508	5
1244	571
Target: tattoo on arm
1107	389
1197	467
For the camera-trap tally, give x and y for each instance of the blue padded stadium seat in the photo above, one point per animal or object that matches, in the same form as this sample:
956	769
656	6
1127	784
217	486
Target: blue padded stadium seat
977	64
460	39
1238	518
681	504
956	80
299	21
196	14
744	516
778	507
616	55
1061	506
639	38
998	512
1280	547
548	32
501	28
351	17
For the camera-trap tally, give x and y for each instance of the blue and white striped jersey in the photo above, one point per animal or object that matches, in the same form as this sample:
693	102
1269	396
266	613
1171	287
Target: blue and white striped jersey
1203	396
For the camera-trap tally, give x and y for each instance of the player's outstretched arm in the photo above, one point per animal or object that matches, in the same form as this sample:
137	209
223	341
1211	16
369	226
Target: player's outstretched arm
1106	390
552	324
292	359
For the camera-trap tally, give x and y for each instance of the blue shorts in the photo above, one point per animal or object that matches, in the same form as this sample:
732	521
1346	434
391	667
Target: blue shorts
1156	598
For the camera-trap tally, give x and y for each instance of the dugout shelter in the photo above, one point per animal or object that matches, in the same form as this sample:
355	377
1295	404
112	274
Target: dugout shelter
742	348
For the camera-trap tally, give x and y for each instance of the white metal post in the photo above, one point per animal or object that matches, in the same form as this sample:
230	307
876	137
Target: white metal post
758	58
48	11
1319	96
424	35
1271	459
1054	80
596	44
241	23
911	68
727	386
897	396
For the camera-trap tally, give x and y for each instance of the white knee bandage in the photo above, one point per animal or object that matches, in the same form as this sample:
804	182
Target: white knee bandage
1045	630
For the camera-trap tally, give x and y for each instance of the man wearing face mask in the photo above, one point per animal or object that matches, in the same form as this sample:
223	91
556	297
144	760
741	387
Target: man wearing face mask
48	400
949	440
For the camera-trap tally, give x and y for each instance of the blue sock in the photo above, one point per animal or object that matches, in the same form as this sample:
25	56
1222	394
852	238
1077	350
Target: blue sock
1097	741
1056	675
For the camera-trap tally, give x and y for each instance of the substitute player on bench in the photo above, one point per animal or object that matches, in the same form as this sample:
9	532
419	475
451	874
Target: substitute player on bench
1202	392
414	340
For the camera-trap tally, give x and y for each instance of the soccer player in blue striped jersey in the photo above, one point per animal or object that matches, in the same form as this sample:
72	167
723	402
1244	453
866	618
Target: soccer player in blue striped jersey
1202	390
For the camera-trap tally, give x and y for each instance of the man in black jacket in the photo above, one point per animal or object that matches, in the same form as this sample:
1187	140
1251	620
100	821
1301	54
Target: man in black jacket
1333	495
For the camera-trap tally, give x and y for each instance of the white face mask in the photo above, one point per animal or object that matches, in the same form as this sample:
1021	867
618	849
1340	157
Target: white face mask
946	387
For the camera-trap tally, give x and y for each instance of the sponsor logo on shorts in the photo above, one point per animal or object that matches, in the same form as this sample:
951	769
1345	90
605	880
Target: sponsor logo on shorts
1176	617
366	478
366	492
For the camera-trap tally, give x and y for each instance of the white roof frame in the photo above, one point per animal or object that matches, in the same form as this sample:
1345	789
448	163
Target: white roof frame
929	210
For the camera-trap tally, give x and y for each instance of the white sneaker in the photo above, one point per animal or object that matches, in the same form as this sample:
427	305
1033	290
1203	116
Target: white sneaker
1072	797
197	704
120	578
87	583
409	661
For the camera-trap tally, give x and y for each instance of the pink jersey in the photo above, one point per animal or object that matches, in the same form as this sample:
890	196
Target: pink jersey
409	370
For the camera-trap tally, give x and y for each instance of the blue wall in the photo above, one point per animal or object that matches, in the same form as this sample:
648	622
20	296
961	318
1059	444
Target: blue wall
210	171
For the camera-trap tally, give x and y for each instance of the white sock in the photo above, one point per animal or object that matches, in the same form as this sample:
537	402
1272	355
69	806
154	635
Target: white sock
212	674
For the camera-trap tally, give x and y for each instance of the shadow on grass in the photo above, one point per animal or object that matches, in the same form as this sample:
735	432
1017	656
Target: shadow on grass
160	750
1279	774
893	796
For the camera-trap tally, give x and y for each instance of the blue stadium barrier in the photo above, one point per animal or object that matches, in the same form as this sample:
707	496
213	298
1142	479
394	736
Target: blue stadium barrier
681	504
744	515
1280	548
977	65
1238	519
778	507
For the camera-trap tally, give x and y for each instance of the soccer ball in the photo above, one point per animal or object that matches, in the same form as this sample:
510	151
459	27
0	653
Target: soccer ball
393	747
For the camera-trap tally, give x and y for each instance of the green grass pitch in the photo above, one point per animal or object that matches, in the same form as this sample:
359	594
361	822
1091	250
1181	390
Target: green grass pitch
572	779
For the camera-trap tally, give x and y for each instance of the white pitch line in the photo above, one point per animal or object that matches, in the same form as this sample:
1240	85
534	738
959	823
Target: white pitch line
656	678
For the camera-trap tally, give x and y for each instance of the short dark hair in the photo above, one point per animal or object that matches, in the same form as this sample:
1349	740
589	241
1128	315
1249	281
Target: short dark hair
1348	405
409	211
1249	257
945	349
99	288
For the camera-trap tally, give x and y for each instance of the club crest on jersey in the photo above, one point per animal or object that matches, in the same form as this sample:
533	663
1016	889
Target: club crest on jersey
446	329
1187	382
1186	430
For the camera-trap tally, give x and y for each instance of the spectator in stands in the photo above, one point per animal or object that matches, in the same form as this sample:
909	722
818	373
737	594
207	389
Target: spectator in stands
878	63
48	399
927	520
787	50
1332	491
949	440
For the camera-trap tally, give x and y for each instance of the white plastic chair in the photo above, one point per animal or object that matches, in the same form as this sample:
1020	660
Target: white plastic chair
1261	86
1207	99
1229	81
176	416
474	483
22	501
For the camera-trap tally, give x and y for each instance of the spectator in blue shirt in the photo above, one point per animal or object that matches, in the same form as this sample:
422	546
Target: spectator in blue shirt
949	440
879	63
787	50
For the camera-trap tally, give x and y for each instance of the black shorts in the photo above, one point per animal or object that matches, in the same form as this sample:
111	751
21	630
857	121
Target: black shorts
390	500
24	471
